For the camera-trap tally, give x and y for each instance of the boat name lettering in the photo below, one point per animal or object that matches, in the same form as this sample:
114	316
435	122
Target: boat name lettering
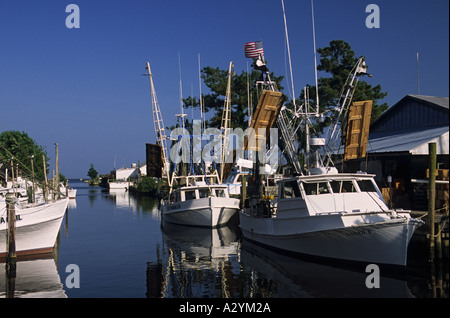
359	232
174	207
4	220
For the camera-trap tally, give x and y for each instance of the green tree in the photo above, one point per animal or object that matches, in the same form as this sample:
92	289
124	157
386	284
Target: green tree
216	80
21	147
92	173
337	60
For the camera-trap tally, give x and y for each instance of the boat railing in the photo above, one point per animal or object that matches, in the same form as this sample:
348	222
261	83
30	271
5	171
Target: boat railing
191	180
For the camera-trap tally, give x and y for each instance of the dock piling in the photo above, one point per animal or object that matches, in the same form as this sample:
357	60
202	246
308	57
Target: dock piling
11	258
432	195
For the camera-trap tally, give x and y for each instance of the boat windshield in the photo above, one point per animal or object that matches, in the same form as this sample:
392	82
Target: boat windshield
220	193
189	195
290	189
316	188
204	193
343	186
366	186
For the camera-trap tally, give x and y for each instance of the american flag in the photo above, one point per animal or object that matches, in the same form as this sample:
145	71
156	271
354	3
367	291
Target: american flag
253	49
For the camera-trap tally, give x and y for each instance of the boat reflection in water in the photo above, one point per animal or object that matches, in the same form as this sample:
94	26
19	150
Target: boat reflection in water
34	279
297	278
216	263
194	262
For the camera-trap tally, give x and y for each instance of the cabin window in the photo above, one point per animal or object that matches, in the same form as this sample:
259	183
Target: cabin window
204	193
290	190
367	186
342	186
348	186
316	188
336	186
189	195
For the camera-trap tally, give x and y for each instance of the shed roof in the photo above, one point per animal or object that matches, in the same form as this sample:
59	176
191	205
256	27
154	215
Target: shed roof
409	140
414	111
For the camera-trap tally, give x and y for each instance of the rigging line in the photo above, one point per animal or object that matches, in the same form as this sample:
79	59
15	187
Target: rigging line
289	56
315	57
8	162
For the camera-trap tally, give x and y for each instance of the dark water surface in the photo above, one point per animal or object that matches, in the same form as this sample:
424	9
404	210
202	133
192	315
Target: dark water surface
119	249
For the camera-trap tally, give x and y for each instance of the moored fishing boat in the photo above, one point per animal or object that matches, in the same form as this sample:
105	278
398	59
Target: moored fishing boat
339	216
37	227
319	211
200	202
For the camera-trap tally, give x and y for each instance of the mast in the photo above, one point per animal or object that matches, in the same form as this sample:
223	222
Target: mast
160	132
226	121
201	97
182	115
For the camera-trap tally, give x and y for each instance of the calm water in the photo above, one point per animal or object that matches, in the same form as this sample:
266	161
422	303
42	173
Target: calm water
117	243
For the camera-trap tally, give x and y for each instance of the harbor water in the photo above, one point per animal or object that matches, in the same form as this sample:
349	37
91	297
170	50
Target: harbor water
113	245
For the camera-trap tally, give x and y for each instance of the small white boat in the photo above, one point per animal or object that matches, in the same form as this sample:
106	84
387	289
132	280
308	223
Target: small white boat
37	227
119	184
200	203
339	215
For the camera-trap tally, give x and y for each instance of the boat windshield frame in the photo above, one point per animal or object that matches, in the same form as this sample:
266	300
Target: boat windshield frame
318	185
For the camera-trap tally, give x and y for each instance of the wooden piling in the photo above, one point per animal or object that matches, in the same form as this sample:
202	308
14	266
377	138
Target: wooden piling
243	190
56	188
45	179
432	195
11	258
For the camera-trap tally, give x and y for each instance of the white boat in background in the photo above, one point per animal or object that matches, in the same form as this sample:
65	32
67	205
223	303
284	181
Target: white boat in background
200	201
70	192
37	227
119	184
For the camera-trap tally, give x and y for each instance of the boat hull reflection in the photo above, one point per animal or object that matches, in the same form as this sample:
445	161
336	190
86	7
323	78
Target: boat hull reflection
298	278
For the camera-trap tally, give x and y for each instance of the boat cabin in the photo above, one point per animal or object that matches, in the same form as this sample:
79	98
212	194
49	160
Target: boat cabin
199	192
342	193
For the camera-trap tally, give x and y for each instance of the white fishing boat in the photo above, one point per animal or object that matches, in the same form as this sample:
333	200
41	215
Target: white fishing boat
321	212
335	215
37	227
200	201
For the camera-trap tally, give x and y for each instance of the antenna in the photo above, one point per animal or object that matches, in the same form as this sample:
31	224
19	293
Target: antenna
418	79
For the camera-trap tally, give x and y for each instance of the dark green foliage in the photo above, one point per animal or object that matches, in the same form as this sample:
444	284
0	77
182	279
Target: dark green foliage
21	146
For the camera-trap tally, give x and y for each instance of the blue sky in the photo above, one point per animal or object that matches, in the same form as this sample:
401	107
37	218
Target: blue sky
83	87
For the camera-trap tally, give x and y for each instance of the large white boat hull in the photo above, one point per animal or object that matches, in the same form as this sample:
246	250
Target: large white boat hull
382	242
204	212
36	228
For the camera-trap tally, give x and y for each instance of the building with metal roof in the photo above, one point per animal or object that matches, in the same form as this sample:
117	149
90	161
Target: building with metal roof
397	148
